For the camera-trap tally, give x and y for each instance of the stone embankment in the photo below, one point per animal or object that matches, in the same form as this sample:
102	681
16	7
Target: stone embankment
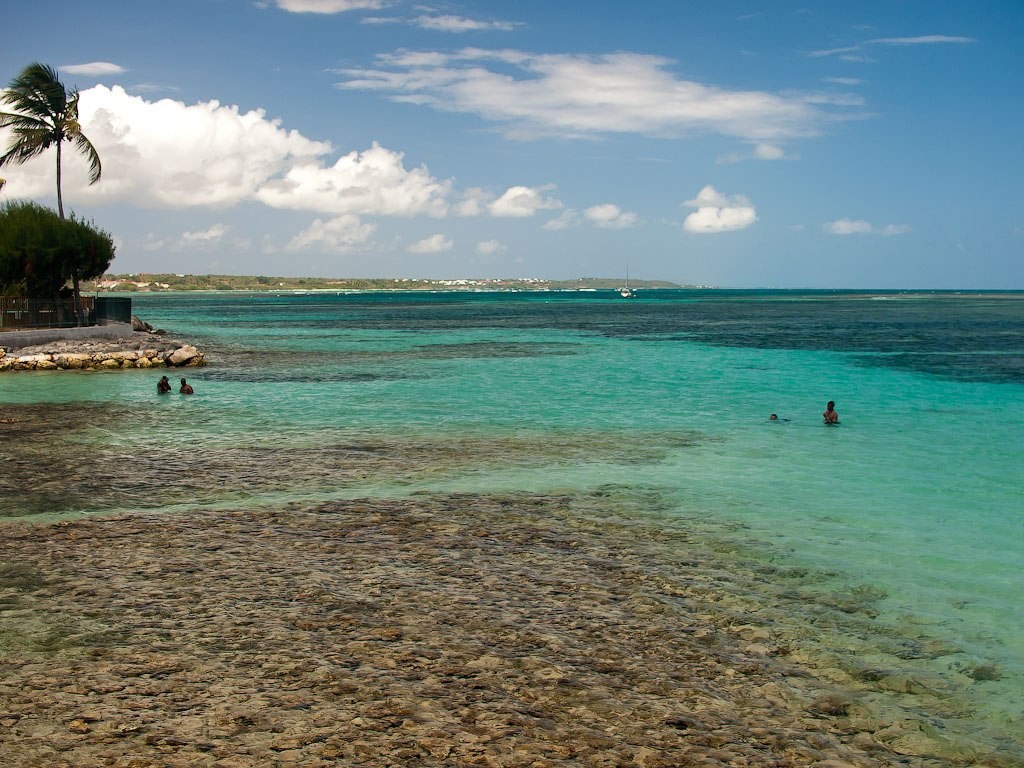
143	348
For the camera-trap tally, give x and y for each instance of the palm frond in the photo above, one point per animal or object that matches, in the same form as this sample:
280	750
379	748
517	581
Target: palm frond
43	114
83	145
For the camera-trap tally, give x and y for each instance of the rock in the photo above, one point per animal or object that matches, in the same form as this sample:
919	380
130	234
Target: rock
140	325
183	355
142	350
34	359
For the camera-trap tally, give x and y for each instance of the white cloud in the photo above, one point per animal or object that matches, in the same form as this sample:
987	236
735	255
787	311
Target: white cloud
855	52
433	244
585	96
371	182
167	154
328	6
569	218
760	151
848	227
922	40
834	51
339	234
861	227
474	202
154	243
844	80
521	202
459	24
488	247
609	216
718	213
769	152
894	229
95	68
206	236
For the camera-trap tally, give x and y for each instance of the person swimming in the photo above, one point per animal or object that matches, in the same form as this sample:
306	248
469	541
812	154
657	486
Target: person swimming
830	416
163	386
186	389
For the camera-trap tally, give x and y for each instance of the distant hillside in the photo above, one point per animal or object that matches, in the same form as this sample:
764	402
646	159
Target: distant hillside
172	282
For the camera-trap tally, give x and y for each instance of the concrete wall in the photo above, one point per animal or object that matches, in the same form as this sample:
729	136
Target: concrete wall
11	340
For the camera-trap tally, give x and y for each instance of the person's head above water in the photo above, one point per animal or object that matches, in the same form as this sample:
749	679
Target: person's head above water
773	417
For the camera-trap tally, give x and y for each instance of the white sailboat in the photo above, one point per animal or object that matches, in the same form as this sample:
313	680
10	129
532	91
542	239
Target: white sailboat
625	291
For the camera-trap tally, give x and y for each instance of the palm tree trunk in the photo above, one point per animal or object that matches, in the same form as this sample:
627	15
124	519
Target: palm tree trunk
60	202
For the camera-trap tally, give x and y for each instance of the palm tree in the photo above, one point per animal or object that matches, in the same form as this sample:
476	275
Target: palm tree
46	115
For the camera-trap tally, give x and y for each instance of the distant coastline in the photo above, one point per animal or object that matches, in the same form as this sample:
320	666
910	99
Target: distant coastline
154	282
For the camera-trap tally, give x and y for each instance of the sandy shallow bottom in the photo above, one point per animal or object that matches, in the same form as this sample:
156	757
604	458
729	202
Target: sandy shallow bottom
442	631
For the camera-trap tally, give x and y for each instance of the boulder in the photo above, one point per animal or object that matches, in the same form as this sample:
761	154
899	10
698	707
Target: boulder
140	325
183	355
72	360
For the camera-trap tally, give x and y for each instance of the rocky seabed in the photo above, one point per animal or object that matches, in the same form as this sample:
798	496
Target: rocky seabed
374	633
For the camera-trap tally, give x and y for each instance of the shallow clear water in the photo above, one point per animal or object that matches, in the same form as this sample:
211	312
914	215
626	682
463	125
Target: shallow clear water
913	504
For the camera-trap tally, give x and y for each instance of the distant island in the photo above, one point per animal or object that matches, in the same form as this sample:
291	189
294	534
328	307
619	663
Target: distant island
150	282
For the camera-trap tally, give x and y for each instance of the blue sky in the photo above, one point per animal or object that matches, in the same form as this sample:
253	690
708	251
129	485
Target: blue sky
749	143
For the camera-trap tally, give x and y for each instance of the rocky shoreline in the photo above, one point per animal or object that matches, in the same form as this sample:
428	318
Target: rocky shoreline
444	631
141	349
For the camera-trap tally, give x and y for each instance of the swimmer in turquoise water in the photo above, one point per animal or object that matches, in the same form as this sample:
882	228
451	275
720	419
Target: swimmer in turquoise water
830	416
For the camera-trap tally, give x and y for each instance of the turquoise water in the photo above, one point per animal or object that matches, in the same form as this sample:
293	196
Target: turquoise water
912	505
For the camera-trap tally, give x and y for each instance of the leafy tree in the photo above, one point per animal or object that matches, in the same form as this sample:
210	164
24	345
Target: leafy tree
45	115
40	251
85	253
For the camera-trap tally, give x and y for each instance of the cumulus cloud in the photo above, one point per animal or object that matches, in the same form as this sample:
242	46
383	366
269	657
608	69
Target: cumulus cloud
609	216
489	247
586	96
95	68
568	219
522	202
459	24
371	182
169	154
166	154
339	234
718	213
474	202
328	6
206	236
861	227
433	244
